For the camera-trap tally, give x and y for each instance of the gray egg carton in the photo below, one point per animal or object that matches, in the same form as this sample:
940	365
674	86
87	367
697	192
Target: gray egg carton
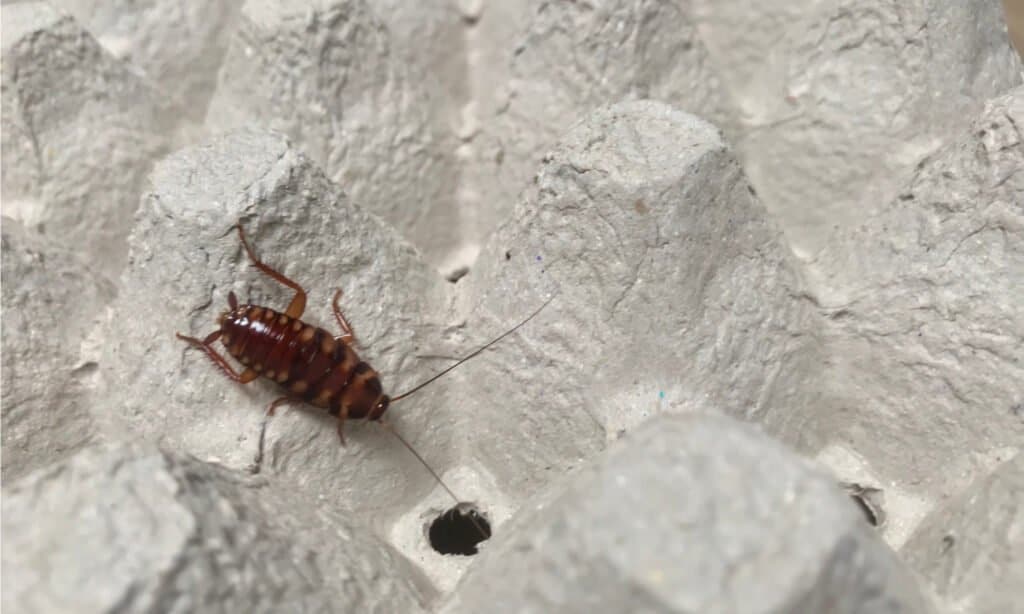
774	254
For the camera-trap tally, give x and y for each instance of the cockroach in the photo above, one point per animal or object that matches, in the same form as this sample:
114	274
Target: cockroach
311	365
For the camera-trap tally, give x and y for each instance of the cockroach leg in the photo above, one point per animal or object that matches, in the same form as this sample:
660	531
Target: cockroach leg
210	338
341	425
347	336
298	304
257	463
276	402
242	378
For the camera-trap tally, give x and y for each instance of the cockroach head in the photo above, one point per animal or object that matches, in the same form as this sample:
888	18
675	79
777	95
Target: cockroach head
380	407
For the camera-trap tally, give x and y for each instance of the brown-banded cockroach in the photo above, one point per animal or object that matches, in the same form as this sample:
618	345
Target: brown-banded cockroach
311	365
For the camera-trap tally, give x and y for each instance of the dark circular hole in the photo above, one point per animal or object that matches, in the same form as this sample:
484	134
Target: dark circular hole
458	530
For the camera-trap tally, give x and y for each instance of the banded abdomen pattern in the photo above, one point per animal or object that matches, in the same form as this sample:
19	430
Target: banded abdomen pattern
305	360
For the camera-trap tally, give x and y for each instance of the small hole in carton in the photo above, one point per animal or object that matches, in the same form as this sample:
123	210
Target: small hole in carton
458	530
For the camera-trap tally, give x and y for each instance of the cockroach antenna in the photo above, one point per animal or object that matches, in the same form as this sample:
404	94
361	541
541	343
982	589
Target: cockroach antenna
483	533
474	353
